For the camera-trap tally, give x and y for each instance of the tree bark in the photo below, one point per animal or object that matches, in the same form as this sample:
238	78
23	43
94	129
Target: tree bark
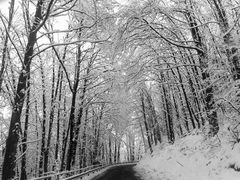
231	46
58	117
51	118
202	56
145	122
156	127
43	132
23	175
9	163
5	44
110	149
72	125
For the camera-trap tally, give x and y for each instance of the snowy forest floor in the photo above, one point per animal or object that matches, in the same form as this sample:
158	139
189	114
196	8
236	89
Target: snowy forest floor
194	157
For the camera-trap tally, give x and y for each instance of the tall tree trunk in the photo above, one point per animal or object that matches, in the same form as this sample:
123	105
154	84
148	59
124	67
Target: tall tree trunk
145	122
97	132
103	152
190	110
44	104
83	160
58	118
142	133
169	120
183	111
5	44
73	143
156	127
202	56
110	149
64	138
177	112
14	129
115	152
193	75
24	139
118	154
51	118
71	131
72	125
36	129
231	47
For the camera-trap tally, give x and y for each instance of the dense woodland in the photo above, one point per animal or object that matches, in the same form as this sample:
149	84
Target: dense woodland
86	81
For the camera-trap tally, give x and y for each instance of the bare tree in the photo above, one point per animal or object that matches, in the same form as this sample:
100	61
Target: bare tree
15	129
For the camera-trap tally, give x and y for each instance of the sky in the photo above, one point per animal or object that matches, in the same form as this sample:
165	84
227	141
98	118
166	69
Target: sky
122	1
4	4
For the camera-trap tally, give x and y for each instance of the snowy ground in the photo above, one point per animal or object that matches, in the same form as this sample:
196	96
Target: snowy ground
194	157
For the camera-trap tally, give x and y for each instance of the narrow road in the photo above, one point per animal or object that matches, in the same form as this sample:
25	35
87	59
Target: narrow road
123	172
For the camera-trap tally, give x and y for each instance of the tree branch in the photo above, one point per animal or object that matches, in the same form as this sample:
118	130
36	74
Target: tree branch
169	41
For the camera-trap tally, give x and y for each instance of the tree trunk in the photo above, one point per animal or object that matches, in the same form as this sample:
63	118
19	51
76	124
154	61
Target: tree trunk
72	125
14	129
24	139
156	127
202	56
64	138
177	113
42	153
115	152
145	122
231	46
110	149
169	120
37	147
83	160
71	131
5	44
190	110
73	142
142	133
58	118
51	118
118	155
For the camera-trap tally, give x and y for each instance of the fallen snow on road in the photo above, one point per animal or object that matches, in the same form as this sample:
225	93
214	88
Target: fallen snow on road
194	157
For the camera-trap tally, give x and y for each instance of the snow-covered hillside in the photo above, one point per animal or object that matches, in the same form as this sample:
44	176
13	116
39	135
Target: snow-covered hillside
194	157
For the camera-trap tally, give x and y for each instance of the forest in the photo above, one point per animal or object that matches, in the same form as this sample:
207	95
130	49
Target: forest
104	81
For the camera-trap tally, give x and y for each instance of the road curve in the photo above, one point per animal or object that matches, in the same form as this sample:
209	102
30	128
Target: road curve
123	172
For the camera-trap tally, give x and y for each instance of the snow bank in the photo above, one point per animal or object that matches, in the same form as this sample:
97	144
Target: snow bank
194	157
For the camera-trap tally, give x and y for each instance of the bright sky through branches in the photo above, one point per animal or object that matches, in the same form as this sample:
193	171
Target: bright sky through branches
123	2
4	4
